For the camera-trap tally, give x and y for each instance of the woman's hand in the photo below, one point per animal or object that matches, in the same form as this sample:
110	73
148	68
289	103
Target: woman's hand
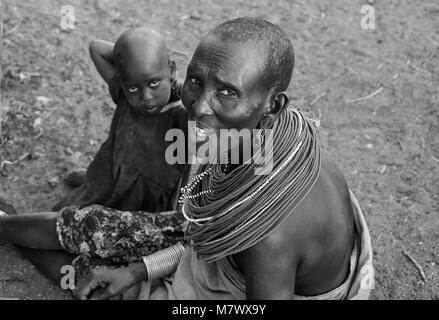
104	283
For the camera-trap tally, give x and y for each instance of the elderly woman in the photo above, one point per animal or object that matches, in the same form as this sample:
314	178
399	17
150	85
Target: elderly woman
294	233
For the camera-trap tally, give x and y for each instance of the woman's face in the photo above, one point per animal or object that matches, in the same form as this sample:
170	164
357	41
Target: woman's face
223	87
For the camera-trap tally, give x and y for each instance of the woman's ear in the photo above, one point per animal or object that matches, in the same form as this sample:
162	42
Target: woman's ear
280	102
274	108
276	104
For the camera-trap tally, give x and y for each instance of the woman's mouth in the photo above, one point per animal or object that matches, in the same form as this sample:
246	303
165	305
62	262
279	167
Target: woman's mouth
202	134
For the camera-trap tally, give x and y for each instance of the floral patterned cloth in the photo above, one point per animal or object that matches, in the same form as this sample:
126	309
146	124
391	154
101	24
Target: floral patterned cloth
109	237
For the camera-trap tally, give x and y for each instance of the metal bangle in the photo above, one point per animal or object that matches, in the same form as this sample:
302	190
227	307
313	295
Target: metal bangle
164	262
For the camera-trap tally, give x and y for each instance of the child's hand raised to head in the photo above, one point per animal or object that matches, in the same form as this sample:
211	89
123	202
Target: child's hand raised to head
101	53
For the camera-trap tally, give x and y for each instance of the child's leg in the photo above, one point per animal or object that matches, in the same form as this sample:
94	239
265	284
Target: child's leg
31	230
75	179
48	262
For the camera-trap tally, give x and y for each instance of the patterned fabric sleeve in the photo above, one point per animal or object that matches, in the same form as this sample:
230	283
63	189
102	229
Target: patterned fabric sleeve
117	236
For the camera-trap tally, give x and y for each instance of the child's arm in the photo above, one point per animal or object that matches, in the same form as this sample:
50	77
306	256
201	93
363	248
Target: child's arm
101	53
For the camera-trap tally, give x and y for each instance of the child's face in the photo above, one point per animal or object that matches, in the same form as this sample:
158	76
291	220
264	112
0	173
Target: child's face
147	84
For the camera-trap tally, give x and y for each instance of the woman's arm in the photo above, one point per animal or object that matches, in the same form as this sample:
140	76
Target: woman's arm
101	53
114	282
269	271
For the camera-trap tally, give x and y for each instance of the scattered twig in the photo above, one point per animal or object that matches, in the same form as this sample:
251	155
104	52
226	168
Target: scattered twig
391	163
4	109
301	102
317	98
435	159
11	279
23	113
7	162
351	70
189	16
436	44
12	30
90	100
420	71
401	146
47	115
373	94
27	75
39	134
416	264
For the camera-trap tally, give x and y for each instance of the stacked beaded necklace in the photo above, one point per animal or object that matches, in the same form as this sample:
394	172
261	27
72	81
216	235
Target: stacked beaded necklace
231	210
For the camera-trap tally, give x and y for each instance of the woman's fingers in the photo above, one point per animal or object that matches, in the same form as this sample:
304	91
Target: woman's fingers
92	282
117	282
104	283
107	293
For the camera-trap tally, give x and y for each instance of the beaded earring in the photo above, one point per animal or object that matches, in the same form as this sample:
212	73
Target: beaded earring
266	122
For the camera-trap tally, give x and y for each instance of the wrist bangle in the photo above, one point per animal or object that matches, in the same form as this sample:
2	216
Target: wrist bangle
164	262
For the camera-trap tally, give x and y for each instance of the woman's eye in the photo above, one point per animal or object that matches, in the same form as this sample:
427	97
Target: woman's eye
228	93
194	81
132	89
154	84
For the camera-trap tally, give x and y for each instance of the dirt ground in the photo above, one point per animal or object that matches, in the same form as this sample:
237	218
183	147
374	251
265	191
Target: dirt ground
59	111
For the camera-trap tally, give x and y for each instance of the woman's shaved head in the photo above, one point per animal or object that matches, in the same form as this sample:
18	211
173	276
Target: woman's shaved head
279	52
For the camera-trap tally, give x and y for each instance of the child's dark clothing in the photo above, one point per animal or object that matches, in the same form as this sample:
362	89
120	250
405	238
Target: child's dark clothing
130	172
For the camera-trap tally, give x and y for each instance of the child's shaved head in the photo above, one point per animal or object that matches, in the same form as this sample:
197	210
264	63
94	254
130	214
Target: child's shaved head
140	44
145	70
279	53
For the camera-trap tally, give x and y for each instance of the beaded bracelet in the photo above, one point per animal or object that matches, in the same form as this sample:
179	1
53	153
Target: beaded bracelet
164	262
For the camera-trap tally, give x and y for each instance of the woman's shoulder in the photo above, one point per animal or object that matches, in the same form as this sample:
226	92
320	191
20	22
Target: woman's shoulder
325	207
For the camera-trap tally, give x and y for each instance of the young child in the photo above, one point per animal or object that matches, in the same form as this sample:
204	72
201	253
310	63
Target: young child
130	172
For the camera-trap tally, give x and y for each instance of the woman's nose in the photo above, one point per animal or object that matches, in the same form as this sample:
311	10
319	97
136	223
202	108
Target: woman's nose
202	106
